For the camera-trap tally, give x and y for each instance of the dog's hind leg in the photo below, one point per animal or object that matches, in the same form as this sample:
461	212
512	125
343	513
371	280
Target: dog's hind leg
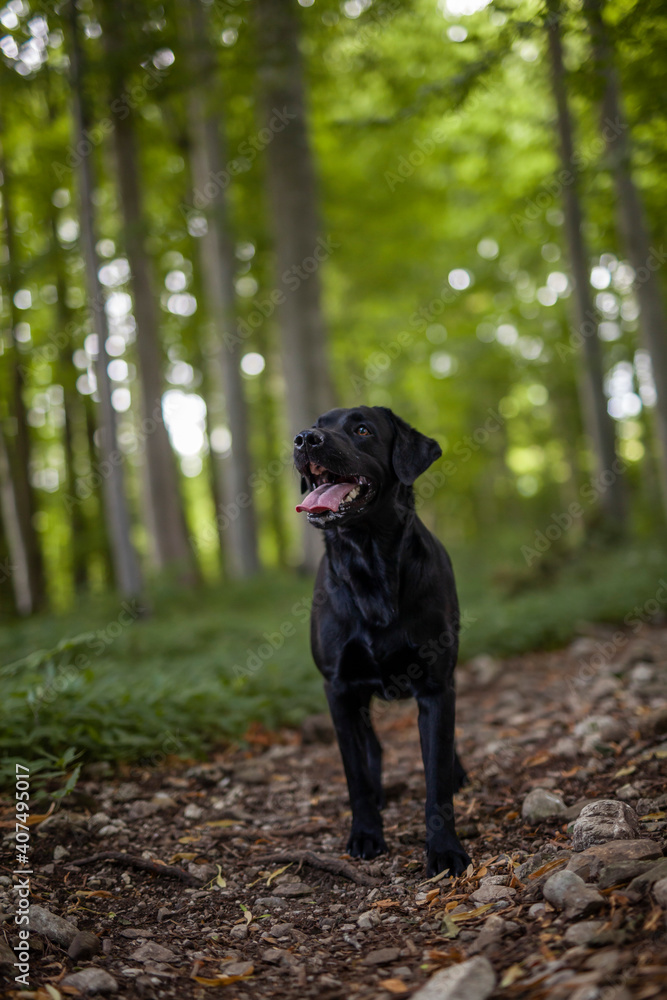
374	757
460	777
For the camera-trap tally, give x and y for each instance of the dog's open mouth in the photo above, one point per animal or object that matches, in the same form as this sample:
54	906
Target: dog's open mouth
333	495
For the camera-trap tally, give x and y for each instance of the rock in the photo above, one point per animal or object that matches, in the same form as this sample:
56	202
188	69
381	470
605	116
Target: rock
235	968
318	729
294	889
273	955
7	956
590	862
605	727
491	894
537	910
153	952
660	892
583	932
84	945
60	852
270	902
90	981
541	804
493	930
98	819
607	961
109	830
368	919
654	724
60	931
193	811
471	980
142	810
128	792
566	747
136	932
642	883
603	820
626	793
566	891
641	675
280	930
251	773
622	872
239	932
381	956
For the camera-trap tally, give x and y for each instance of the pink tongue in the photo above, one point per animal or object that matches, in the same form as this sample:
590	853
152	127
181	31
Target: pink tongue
327	497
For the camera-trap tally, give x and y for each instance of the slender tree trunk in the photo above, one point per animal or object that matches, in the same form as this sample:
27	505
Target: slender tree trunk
126	565
217	261
633	223
298	244
19	456
597	421
18	552
171	544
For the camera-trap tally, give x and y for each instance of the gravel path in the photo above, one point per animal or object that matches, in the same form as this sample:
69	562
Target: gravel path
565	750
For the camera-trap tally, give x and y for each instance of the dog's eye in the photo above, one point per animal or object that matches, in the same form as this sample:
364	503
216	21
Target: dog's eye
362	431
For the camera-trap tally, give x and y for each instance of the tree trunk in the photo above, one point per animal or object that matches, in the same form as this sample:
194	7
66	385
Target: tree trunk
597	421
126	565
20	455
299	248
633	224
18	553
171	544
217	261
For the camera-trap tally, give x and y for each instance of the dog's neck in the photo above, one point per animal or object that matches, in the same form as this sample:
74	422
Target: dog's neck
366	558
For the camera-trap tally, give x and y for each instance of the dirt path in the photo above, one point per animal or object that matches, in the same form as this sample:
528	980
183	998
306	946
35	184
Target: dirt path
582	724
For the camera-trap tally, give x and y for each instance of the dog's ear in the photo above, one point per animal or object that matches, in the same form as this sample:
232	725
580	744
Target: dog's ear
413	452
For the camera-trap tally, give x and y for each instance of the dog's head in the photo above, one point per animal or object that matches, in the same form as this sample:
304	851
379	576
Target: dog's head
351	461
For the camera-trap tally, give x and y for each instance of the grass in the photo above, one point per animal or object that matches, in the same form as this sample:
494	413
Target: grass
204	666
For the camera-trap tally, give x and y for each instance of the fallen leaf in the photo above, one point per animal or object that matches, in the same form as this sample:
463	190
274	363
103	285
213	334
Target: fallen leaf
625	770
383	904
547	867
655	815
183	856
277	872
246	913
471	914
222	980
511	975
653	920
512	815
448	928
538	758
393	985
222	822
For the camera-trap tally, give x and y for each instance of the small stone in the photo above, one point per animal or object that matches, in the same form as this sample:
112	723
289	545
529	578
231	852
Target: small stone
491	894
193	811
60	852
239	932
109	830
281	930
55	928
566	747
541	804
381	956
90	981
128	792
590	862
605	727
622	872
626	793
642	883
471	980
583	932
660	892
537	910
295	889
235	968
368	919
566	891
136	932
603	820
251	774
271	955
493	930
141	810
153	952
84	945
654	724
98	819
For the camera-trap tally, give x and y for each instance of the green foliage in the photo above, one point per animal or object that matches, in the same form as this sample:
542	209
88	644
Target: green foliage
205	666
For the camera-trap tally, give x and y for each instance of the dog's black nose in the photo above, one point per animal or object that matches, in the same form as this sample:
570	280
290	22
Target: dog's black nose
310	437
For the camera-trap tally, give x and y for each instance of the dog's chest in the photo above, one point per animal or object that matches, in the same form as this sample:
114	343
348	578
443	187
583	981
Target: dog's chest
387	664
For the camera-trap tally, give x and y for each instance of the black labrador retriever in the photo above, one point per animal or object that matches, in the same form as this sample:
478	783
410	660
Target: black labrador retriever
385	617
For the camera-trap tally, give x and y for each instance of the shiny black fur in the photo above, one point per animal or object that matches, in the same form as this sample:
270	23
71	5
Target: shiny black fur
385	620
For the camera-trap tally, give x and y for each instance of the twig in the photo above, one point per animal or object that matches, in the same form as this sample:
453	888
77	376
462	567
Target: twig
171	871
333	865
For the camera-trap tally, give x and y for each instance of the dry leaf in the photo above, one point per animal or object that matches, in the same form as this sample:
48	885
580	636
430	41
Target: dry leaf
222	980
556	863
393	985
277	872
625	770
183	856
222	822
383	904
449	928
471	914
511	975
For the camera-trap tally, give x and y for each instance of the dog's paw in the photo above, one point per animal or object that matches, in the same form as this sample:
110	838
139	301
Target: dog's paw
366	844
453	860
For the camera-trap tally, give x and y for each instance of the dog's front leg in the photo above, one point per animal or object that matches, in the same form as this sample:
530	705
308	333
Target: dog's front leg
436	731
350	714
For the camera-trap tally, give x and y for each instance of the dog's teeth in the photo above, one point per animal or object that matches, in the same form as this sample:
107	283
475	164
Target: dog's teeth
353	494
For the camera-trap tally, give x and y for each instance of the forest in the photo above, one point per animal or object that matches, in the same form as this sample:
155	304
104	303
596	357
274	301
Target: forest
220	219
